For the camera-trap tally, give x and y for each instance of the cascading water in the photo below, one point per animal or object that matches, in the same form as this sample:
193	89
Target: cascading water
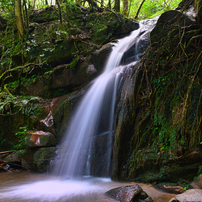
91	126
91	129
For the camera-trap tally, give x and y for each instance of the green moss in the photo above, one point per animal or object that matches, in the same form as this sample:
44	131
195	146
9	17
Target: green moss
42	158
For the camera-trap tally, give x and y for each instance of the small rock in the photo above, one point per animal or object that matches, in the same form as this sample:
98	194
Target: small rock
171	189
91	69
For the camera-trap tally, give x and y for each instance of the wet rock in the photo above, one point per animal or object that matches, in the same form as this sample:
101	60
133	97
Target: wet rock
39	139
42	158
197	184
91	69
63	110
128	26
132	193
188	196
99	57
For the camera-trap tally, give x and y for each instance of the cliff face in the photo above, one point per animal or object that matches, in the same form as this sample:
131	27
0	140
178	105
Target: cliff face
158	120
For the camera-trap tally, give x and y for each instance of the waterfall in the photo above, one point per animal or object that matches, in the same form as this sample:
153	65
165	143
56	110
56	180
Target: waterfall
87	146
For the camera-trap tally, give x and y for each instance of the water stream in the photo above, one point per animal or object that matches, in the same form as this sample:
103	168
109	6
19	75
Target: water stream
87	146
34	187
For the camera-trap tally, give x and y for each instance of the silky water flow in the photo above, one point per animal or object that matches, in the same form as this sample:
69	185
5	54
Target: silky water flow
88	143
91	127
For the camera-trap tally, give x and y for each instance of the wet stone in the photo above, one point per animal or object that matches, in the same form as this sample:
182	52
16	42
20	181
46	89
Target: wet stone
132	193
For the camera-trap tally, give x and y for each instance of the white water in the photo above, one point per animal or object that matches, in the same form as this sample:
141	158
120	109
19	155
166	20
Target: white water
30	187
95	115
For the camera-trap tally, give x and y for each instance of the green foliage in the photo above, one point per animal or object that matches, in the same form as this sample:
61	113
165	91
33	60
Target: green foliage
199	170
74	62
153	8
7	5
160	83
5	143
21	137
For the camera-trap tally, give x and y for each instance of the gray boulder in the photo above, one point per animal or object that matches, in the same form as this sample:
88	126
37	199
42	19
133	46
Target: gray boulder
132	193
191	195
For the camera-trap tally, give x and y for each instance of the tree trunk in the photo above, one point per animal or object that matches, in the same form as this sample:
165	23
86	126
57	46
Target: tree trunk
60	14
125	7
109	4
117	6
129	8
33	4
138	11
18	17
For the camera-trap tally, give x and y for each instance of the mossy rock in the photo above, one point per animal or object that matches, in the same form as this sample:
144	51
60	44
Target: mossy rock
42	158
39	139
44	15
99	32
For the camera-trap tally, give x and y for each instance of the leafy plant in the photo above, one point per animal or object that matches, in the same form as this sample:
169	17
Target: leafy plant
74	62
21	137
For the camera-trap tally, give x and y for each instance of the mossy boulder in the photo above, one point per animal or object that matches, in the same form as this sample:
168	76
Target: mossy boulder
39	139
99	32
42	158
44	15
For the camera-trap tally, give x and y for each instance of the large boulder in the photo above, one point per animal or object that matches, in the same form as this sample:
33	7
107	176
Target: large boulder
166	20
133	193
188	196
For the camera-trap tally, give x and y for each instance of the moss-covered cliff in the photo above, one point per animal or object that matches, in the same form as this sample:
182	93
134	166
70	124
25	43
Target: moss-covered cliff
158	122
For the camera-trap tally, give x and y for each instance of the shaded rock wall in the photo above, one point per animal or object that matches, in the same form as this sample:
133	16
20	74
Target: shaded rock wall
158	127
